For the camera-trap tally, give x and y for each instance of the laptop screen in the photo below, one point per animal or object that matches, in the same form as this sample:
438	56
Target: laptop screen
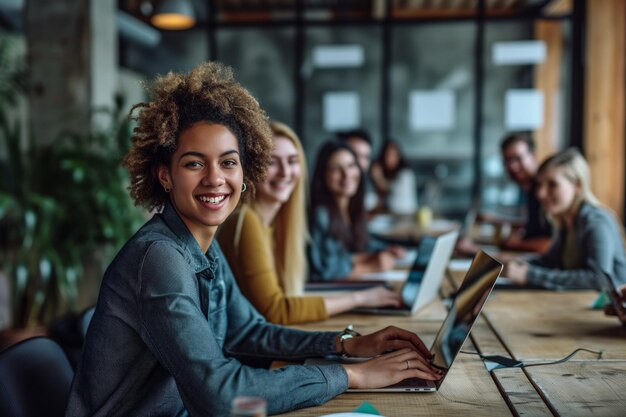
464	310
413	282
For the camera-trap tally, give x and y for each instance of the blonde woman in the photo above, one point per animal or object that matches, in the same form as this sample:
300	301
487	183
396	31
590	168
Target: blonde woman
588	242
264	243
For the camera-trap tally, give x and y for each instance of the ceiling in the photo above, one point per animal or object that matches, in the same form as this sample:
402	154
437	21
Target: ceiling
268	10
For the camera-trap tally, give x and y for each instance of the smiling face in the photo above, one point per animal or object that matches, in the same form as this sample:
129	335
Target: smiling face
520	162
363	151
205	178
283	172
556	192
392	157
343	174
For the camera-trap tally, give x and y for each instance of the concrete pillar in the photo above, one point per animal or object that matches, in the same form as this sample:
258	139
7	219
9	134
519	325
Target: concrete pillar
104	60
72	58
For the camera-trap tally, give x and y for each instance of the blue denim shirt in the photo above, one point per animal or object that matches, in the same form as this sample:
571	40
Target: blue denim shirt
168	321
329	259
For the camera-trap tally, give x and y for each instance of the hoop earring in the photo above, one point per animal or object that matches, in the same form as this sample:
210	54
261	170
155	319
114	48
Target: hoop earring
244	187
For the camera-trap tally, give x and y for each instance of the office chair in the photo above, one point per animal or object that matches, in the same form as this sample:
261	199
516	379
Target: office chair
85	319
35	379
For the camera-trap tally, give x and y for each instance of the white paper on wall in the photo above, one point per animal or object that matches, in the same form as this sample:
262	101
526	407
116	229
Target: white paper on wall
338	56
518	52
431	110
341	111
523	109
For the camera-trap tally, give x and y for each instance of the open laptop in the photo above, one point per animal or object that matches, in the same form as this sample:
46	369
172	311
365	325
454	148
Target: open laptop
465	307
424	279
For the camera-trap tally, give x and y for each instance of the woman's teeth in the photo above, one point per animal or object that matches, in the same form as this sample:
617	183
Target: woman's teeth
212	200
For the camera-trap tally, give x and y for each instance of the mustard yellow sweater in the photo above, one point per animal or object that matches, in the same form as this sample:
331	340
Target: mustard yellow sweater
251	258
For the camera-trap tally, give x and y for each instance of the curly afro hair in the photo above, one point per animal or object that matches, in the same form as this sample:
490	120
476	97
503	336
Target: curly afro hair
210	94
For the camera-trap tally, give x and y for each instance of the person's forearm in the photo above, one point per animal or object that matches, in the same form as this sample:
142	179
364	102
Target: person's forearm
533	244
340	303
499	219
362	263
559	279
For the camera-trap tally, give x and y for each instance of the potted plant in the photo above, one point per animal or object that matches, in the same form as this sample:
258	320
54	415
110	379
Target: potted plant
59	205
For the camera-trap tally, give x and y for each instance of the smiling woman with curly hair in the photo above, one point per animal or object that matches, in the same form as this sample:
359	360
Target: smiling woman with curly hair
170	320
177	101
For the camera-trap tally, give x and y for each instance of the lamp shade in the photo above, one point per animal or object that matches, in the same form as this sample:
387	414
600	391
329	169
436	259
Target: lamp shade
174	15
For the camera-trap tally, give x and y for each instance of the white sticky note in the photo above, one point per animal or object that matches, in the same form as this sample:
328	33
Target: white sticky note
431	110
523	109
338	56
341	110
518	52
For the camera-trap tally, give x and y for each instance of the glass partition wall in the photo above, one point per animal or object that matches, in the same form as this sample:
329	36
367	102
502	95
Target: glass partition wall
431	108
446	84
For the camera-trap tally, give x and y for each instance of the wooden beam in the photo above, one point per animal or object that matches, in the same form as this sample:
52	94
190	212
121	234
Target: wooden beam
605	91
548	80
558	7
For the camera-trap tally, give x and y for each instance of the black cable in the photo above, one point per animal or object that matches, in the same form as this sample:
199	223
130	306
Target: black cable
565	359
513	363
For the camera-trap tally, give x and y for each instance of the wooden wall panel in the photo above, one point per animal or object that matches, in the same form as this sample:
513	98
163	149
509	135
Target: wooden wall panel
605	91
548	80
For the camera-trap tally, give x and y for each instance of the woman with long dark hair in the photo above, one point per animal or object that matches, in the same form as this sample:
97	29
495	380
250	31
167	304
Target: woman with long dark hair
340	245
394	180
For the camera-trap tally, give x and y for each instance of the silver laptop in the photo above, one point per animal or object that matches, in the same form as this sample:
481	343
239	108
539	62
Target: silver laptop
423	281
465	307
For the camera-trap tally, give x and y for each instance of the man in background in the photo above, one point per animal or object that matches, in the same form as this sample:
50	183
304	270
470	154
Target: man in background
534	232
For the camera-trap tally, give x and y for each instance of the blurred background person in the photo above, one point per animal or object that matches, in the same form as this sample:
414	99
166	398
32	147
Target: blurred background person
588	243
394	180
533	232
360	141
340	246
264	243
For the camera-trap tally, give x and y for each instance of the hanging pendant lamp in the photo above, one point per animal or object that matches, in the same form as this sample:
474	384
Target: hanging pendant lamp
174	15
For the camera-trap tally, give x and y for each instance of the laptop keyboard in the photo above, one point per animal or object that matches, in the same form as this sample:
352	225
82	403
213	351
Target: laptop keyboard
411	383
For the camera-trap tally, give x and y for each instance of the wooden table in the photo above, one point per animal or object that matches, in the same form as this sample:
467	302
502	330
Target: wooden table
468	388
538	326
404	230
529	325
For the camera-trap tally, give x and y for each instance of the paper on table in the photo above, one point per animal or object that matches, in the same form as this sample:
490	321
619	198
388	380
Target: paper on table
380	223
393	275
504	281
408	259
441	225
459	264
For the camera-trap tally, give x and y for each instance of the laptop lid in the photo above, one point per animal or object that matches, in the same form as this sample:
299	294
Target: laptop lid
465	308
424	279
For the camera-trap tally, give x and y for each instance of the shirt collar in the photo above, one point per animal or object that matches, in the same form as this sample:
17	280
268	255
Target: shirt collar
200	260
